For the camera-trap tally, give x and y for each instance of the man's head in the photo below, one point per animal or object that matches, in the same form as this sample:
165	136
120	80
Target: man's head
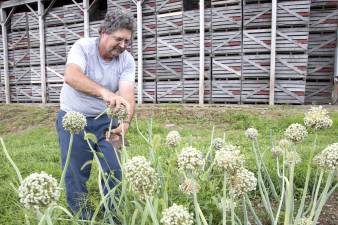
115	33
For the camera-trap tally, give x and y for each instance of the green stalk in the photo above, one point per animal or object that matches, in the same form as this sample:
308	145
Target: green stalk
252	210
199	213
151	210
289	197
224	199
232	210
324	197
316	194
17	171
282	195
265	170
245	211
67	160
308	173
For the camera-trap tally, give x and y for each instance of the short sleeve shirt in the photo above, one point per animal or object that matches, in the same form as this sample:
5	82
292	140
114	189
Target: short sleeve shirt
85	54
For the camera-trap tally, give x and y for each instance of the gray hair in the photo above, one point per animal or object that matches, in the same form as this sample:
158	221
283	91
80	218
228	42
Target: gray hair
115	20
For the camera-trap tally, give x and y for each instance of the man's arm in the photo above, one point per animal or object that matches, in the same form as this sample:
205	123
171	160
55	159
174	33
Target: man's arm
126	91
75	78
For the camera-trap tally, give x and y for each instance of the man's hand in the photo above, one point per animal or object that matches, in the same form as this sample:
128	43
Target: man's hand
113	100
118	130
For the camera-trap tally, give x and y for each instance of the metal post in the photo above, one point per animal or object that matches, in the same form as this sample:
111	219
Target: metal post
41	10
5	55
201	78
273	53
86	17
335	75
139	52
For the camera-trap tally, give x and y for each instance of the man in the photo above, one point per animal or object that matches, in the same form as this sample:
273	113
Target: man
99	71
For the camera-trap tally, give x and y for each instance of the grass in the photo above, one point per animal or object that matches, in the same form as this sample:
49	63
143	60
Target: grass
31	139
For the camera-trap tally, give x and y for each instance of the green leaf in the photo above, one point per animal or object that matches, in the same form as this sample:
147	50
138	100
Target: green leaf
90	137
100	154
156	142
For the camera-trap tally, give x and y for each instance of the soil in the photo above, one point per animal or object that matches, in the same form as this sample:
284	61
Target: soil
329	215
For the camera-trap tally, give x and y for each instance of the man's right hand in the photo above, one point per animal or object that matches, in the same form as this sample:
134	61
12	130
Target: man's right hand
113	100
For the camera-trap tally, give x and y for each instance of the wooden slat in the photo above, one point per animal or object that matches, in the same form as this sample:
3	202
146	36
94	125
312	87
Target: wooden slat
227	17
169	91
164	6
148	91
169	46
149	47
322	44
256	66
290	91
255	91
226	91
149	69
191	20
125	5
26	93
324	20
191	90
291	66
320	68
191	44
226	42
226	67
318	92
170	68
191	68
169	23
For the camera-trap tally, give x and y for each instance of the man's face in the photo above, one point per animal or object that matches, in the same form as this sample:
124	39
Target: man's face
115	43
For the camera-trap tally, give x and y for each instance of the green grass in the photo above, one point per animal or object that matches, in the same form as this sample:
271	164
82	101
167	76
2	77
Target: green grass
31	140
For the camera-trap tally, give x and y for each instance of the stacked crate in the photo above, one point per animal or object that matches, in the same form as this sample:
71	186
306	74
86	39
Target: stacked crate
2	81
291	47
24	57
191	50
226	32
63	26
169	47
321	50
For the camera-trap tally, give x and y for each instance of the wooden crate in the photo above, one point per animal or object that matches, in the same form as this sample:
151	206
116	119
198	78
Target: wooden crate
323	3
191	20
149	7
26	93
191	91
22	75
226	18
149	47
74	32
66	14
21	39
318	92
289	13
125	5
324	20
226	42
226	91
94	27
322	44
169	91
24	20
169	23
191	68
169	46
255	91
148	91
55	55
54	74
291	66
149	26
2	94
164	6
191	43
149	69
320	68
287	40
224	67
256	66
169	68
53	92
290	91
19	57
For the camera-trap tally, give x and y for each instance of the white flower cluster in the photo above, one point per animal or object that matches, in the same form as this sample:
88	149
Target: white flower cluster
74	122
189	186
176	215
229	161
190	159
141	175
230	147
296	133
38	190
317	118
305	221
173	139
292	157
217	143
285	144
242	182
277	151
227	204
328	158
251	133
120	113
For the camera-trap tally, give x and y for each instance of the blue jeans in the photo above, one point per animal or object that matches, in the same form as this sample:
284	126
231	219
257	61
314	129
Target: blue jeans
78	171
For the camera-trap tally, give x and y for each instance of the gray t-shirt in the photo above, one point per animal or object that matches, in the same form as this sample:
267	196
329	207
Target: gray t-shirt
85	54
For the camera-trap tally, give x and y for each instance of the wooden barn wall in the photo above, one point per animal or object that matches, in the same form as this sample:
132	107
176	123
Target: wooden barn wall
237	50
